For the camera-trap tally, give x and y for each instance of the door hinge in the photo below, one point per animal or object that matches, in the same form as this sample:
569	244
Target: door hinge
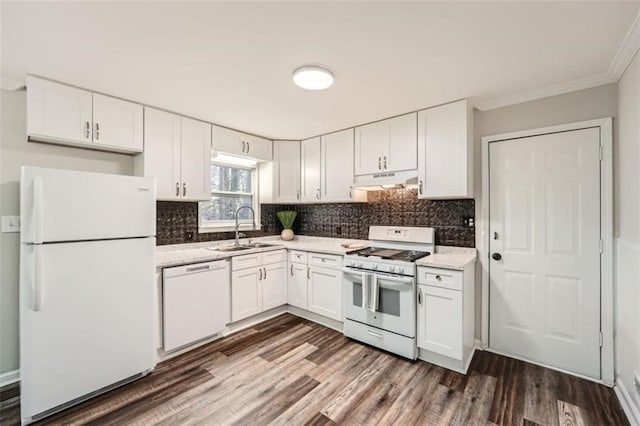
601	339
601	152
601	246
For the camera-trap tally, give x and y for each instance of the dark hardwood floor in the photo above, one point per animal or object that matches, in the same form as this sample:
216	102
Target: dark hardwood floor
291	371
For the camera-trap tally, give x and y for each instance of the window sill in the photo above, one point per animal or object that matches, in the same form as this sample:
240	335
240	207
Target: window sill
227	228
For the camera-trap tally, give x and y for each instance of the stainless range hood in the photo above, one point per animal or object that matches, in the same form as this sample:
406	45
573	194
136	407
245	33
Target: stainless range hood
386	180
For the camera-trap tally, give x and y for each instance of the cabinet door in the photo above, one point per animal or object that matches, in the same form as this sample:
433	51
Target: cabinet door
324	292
117	123
310	169
445	152
58	112
246	293
161	157
337	166
195	160
403	144
227	141
274	285
440	321
371	144
259	148
286	173
298	285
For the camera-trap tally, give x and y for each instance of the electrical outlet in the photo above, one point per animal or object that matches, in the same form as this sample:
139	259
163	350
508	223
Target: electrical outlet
469	221
10	223
338	230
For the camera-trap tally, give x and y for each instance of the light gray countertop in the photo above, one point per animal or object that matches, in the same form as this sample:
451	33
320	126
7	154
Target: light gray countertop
449	258
180	254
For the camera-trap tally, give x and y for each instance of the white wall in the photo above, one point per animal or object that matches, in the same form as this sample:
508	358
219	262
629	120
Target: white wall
15	152
583	105
627	245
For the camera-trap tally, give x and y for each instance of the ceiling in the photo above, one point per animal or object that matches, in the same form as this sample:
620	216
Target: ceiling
231	63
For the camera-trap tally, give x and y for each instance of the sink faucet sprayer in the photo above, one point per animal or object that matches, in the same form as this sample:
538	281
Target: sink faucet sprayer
253	217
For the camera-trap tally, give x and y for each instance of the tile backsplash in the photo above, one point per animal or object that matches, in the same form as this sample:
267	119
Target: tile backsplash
177	220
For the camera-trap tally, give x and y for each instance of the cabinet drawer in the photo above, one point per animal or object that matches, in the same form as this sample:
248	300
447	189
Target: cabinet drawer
274	256
246	261
325	260
298	256
444	278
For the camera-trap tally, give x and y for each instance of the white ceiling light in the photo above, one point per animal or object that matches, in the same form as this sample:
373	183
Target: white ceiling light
313	77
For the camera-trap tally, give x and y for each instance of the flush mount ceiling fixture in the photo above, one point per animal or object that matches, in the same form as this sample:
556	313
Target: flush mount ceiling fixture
313	77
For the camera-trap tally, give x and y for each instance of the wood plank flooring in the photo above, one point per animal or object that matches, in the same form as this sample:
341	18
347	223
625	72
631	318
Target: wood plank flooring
291	371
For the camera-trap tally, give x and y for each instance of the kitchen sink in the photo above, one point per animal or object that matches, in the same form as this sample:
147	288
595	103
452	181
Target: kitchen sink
240	247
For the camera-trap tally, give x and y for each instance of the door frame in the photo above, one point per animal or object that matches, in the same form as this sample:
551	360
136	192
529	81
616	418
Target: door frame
606	232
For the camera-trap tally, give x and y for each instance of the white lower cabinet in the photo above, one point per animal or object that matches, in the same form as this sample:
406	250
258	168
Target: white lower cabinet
324	290
315	283
258	283
445	331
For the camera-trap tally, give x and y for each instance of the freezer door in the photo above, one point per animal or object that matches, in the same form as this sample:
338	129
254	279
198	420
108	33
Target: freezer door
86	318
66	205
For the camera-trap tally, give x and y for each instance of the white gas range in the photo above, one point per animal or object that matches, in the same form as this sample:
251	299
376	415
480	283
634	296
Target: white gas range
379	288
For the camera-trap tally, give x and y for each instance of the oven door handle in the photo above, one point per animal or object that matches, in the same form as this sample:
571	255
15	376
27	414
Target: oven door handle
382	277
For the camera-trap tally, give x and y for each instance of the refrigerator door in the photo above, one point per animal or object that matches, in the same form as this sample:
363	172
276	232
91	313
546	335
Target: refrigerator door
86	318
66	205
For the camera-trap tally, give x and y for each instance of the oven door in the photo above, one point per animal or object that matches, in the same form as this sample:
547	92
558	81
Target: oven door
387	301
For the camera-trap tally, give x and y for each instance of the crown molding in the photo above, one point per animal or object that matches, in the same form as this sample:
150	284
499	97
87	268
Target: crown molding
625	54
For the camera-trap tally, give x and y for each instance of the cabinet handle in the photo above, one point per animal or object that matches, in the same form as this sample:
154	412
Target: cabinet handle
87	129
420	187
318	194
379	166
260	277
298	195
244	144
177	189
419	297
384	163
248	147
351	192
291	270
97	131
308	273
184	189
265	273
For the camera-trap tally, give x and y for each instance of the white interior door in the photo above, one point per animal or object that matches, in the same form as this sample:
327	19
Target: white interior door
545	249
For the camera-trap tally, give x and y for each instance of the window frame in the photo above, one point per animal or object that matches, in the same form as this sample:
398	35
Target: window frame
229	225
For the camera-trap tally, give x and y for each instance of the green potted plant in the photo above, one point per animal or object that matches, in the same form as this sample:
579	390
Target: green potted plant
286	218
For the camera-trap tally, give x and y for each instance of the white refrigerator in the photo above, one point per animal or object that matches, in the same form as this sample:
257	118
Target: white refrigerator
87	273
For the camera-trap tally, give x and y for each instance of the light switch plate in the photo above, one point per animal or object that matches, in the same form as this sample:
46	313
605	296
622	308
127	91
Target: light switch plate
10	223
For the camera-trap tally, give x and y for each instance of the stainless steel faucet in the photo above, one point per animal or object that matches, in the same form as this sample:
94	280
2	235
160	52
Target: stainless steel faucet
253	217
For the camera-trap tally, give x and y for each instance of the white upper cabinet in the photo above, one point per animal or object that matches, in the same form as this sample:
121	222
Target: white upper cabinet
445	151
241	144
336	172
58	112
286	171
386	146
161	158
310	170
195	159
117	123
67	115
178	154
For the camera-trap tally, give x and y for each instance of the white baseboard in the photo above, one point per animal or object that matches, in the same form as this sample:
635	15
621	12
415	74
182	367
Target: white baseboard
9	377
477	344
628	406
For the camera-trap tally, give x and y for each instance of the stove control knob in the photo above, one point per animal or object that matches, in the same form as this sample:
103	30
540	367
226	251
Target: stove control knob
374	266
392	268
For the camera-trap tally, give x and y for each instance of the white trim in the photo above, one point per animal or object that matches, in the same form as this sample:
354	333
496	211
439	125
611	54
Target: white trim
606	231
545	92
9	377
627	50
627	404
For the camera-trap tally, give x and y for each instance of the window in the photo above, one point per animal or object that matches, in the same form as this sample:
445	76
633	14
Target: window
231	188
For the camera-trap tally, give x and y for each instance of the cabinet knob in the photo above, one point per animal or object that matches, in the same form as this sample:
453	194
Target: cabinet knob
438	277
496	256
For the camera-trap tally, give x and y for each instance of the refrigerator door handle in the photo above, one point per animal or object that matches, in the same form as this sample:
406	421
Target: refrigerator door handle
37	278
37	210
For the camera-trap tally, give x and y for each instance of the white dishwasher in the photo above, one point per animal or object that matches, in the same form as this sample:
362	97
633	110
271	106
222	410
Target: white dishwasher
196	302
